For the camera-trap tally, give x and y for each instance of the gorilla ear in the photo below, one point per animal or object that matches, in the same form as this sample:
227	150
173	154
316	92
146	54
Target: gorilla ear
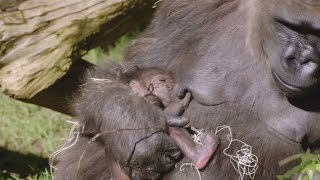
135	86
151	88
132	69
132	72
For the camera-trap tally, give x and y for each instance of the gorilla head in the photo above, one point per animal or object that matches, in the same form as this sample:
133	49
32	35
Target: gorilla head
287	34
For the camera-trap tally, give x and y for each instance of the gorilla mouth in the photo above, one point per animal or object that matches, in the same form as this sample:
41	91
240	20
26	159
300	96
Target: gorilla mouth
286	85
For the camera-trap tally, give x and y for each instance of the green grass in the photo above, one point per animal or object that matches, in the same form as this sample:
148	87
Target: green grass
29	134
111	53
310	164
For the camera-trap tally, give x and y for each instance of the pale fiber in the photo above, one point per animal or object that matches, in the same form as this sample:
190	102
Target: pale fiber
155	5
197	136
192	166
244	162
73	137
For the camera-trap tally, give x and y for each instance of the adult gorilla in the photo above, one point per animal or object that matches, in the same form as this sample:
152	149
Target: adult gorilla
250	64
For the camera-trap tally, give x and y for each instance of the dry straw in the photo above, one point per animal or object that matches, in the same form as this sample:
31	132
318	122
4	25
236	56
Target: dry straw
243	161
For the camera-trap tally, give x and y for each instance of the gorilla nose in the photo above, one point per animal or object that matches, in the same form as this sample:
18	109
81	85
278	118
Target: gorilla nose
306	60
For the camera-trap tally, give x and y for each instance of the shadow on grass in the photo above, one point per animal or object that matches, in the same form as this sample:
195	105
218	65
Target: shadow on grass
21	165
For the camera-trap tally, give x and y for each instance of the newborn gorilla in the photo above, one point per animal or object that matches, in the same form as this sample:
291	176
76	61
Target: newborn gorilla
138	88
156	86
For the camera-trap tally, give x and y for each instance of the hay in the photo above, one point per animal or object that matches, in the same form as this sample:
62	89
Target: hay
244	162
197	136
73	137
192	166
155	5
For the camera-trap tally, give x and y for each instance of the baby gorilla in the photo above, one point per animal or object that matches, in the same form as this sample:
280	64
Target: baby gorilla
157	88
100	100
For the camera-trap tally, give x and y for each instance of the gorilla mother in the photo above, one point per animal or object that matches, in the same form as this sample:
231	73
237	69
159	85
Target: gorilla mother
250	64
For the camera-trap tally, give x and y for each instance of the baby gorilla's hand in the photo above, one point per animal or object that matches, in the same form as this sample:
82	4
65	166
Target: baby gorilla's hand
178	106
185	101
176	121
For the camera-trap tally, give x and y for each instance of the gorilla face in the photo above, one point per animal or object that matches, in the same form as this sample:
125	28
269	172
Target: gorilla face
287	36
297	68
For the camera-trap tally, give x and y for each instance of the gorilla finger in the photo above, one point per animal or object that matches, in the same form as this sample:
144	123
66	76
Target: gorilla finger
177	121
187	99
182	92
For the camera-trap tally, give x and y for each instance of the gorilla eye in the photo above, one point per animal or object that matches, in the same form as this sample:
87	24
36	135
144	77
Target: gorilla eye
290	58
301	28
162	80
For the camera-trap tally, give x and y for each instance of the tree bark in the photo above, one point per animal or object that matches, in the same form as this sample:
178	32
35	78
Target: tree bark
58	97
41	39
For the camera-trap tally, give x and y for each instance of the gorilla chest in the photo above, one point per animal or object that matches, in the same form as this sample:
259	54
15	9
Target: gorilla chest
212	84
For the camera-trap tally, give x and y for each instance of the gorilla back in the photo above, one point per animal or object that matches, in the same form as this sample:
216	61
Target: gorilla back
249	64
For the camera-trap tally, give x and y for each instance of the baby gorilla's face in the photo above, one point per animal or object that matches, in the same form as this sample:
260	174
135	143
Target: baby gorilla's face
162	87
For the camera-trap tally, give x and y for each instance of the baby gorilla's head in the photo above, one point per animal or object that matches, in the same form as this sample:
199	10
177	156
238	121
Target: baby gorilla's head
154	82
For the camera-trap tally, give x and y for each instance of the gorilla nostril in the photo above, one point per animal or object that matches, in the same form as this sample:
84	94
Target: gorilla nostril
309	55
290	63
290	53
305	59
291	58
309	68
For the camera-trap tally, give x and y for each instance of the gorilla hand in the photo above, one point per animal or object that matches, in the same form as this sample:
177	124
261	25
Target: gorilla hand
178	106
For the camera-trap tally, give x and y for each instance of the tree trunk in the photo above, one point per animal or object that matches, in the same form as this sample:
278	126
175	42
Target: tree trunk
41	39
59	96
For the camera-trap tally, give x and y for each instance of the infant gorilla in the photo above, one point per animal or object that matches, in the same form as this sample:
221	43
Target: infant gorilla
157	88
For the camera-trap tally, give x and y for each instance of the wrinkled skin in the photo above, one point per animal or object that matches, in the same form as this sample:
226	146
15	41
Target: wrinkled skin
245	68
